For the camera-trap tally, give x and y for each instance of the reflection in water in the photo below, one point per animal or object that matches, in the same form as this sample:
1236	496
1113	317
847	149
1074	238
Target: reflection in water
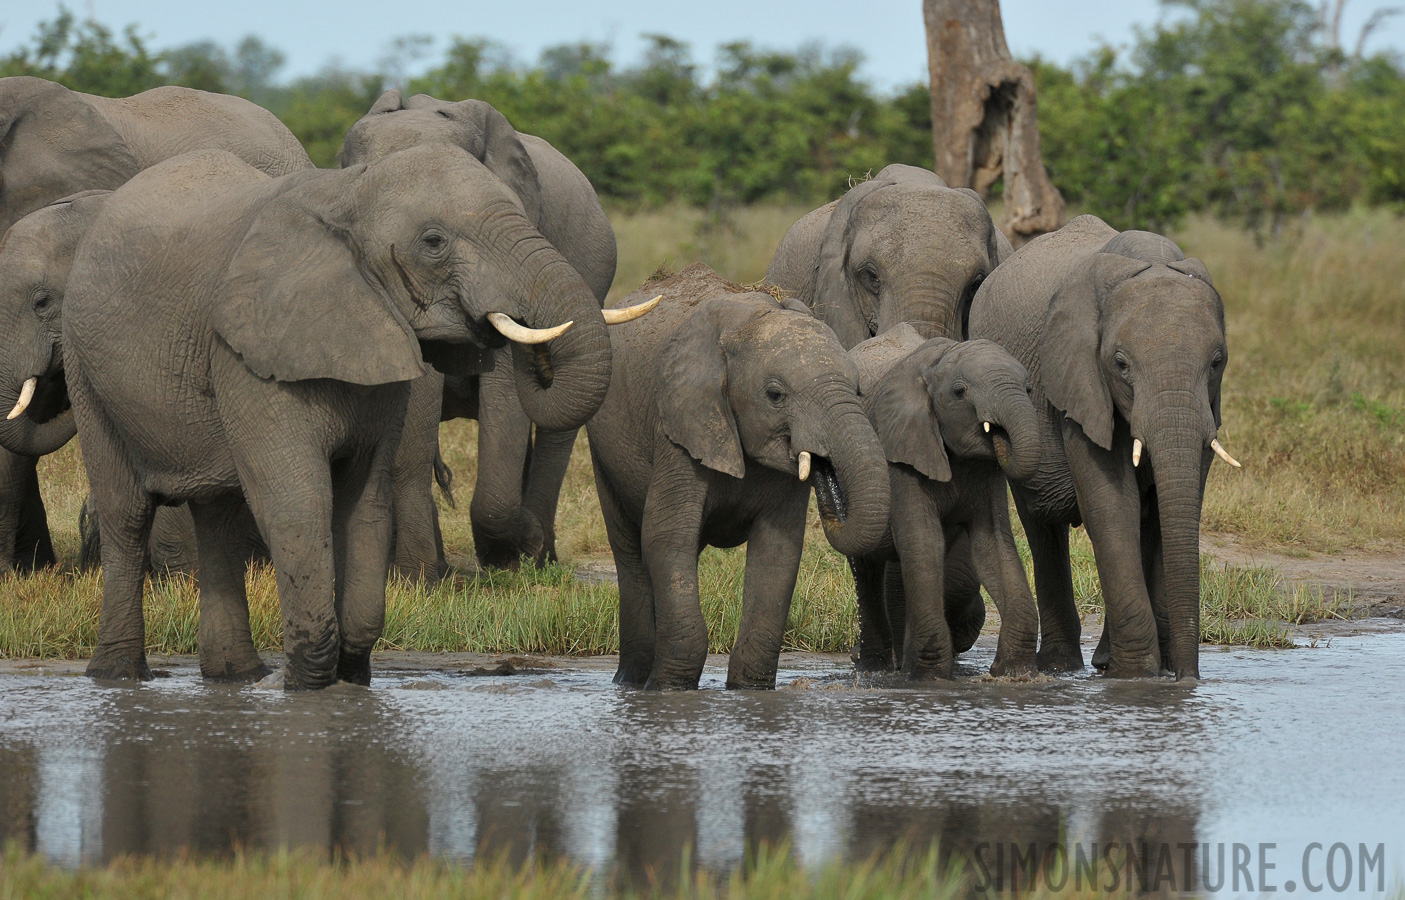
1005	775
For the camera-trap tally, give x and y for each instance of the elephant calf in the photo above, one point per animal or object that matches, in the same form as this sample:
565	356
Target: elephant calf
954	419
720	400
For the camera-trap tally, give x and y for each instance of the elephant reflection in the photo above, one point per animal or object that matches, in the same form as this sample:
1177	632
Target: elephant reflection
313	777
18	796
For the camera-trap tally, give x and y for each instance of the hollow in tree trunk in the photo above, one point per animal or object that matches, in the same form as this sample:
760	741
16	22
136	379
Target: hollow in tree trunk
984	117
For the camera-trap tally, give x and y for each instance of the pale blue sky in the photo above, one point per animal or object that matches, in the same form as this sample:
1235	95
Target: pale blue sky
357	32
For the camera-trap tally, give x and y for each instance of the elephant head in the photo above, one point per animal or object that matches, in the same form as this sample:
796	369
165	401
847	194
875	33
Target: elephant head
903	247
749	378
1137	335
35	258
346	274
968	400
53	143
394	124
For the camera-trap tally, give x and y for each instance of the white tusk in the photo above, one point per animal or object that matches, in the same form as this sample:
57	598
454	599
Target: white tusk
1136	452
629	313
987	427
26	395
1220	452
524	335
804	465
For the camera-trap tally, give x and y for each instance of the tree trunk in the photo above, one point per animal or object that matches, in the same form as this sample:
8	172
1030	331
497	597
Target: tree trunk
984	117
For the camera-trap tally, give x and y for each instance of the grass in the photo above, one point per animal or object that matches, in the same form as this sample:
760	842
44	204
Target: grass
1314	403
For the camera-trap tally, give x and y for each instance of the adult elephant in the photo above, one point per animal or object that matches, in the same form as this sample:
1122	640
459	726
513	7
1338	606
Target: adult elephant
55	143
902	247
899	248
513	511
1124	340
279	325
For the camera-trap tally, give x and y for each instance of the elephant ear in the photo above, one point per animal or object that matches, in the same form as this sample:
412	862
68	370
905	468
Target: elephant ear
389	101
837	300
1194	268
1070	363
296	305
693	406
902	414
495	143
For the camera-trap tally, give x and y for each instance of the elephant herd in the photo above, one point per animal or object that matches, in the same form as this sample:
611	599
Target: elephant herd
256	355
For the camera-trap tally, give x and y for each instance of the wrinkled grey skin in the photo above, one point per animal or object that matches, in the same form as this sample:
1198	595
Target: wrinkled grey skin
54	143
279	325
697	442
899	248
1124	339
929	403
902	247
513	514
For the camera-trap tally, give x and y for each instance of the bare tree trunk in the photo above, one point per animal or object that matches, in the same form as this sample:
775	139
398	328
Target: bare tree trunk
984	116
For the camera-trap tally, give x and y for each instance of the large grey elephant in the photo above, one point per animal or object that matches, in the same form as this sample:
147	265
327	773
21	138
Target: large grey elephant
513	511
720	399
1124	340
54	143
279	325
902	247
954	419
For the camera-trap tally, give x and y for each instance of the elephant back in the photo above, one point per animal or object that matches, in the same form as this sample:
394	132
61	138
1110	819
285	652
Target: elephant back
1145	245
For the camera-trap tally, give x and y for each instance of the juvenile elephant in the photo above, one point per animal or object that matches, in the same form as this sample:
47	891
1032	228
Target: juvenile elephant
954	419
54	143
1124	340
279	325
513	512
720	400
902	247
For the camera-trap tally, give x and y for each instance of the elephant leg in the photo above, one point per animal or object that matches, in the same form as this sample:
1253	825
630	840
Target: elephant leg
1060	629
34	547
503	529
11	508
362	505
89	536
551	455
125	513
289	490
1110	502
773	551
636	591
998	564
895	603
875	635
174	541
670	541
1154	570
918	580
965	607
419	548
226	643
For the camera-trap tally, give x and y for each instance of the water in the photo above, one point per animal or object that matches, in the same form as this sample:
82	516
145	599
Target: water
1289	748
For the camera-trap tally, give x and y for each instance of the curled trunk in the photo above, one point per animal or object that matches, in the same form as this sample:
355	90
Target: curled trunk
1019	448
851	486
563	382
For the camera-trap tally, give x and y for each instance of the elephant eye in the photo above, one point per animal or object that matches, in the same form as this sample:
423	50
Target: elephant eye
959	389
433	240
869	277
1120	360
775	395
42	302
1217	361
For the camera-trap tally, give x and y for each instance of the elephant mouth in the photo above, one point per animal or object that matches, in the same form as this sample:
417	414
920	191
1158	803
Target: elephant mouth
829	493
50	398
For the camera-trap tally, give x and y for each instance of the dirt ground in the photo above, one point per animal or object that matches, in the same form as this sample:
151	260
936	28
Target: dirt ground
1375	580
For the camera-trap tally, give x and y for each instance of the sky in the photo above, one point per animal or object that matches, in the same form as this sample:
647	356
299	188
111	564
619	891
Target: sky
356	33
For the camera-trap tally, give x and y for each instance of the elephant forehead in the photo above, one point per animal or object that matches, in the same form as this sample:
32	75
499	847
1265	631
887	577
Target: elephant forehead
799	339
906	212
438	176
376	137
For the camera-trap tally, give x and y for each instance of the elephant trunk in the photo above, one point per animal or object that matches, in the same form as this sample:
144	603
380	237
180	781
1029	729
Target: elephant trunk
1176	443
1017	443
26	435
563	382
851	486
927	300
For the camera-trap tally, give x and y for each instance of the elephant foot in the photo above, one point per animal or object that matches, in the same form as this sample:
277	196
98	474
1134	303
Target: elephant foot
871	661
236	674
1143	666
673	681
1019	667
1102	656
751	681
355	668
118	665
1059	657
634	669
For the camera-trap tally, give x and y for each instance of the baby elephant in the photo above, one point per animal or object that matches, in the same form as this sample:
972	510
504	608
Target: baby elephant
722	405
954	419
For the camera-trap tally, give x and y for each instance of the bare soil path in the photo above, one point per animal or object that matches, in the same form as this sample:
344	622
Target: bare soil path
1375	579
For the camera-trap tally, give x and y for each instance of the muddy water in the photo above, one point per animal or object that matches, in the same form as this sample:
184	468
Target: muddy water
1288	748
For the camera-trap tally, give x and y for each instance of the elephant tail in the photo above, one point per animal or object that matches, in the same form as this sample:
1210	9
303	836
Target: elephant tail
444	477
